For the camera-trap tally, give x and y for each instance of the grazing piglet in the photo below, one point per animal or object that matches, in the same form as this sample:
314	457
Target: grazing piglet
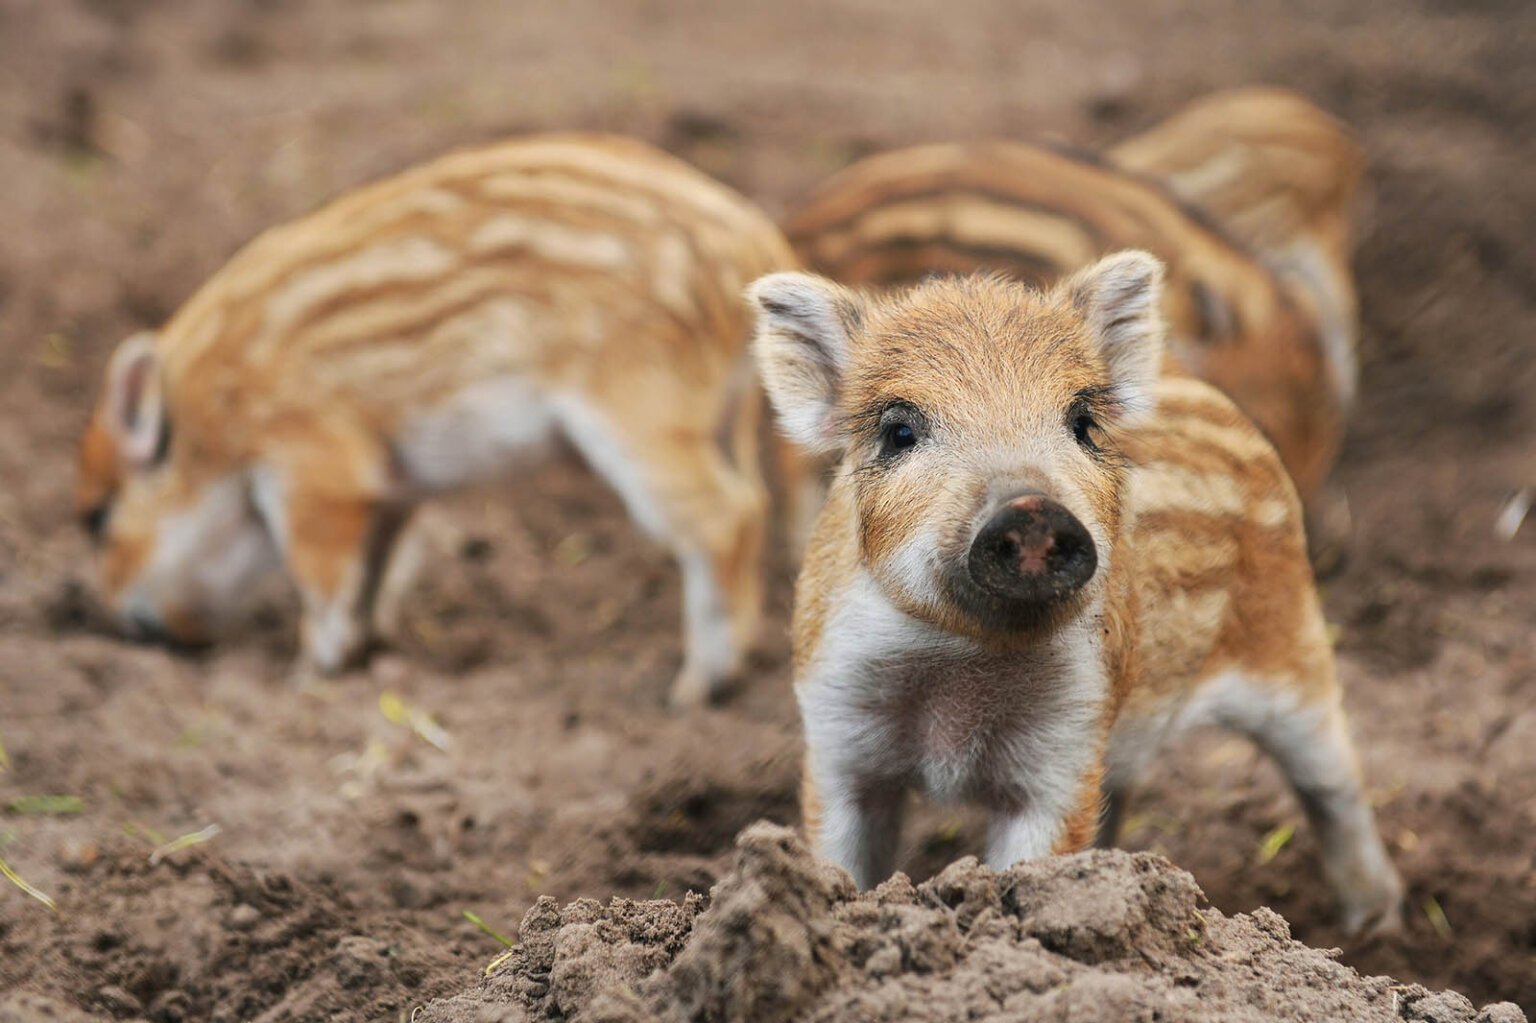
1039	560
428	332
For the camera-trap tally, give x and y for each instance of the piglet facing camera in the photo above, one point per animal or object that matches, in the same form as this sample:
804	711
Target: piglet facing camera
1035	563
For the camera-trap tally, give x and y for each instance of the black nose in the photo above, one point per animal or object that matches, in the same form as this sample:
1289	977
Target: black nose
1032	550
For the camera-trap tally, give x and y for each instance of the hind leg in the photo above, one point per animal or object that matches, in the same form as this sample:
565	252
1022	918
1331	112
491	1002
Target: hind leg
1330	530
1309	740
680	488
1133	745
1111	818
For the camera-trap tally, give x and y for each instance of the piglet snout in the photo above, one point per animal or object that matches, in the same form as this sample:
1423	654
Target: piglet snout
1032	549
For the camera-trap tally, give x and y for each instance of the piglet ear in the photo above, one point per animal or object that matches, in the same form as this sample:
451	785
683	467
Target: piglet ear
1120	299
805	327
135	404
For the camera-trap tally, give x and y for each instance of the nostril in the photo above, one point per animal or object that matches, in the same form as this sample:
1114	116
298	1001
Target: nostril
1032	550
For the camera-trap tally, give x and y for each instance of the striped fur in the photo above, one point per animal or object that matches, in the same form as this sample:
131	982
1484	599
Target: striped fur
1039	214
1285	179
432	331
1202	610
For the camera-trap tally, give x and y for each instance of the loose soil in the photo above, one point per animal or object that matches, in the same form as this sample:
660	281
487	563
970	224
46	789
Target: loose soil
142	141
1101	935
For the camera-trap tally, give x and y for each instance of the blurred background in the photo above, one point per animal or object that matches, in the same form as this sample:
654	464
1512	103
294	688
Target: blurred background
143	141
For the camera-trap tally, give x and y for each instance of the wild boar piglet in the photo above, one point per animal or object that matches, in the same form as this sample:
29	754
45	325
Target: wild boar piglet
1039	559
429	332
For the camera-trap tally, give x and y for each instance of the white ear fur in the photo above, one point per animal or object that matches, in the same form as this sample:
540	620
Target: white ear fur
135	402
805	325
1120	298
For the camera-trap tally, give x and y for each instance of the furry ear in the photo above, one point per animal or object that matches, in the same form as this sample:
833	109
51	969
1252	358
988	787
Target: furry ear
1120	298
805	327
135	405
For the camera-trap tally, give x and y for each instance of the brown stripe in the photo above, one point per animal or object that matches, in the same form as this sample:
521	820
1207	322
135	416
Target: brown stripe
1005	172
898	260
803	237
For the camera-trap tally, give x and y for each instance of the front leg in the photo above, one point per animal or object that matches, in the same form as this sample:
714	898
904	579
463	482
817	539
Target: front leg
337	552
1056	814
853	822
1017	835
329	498
336	548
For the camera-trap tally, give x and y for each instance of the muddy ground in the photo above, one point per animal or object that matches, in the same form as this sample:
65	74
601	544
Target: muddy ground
142	142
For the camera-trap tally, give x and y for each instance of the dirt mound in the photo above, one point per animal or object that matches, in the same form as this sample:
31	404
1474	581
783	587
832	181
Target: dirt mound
1101	935
202	940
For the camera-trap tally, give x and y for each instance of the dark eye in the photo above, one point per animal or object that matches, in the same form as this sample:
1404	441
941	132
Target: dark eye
902	426
1083	425
94	521
899	437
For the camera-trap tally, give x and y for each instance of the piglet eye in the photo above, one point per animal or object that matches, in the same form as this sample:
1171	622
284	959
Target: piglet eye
897	437
902	425
1083	425
94	522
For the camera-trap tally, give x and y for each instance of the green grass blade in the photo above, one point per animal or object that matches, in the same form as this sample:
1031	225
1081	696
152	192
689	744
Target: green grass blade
47	804
15	879
506	942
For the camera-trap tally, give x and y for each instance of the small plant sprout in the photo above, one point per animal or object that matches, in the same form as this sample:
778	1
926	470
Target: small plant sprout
398	712
500	961
1273	842
1435	913
47	805
506	942
176	845
475	919
136	830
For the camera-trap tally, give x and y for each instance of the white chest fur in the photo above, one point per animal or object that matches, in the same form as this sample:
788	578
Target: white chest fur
890	701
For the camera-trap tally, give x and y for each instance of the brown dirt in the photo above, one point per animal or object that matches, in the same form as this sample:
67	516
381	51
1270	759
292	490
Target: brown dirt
1102	935
141	141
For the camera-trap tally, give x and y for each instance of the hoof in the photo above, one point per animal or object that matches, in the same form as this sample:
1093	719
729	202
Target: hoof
1375	923
1375	913
1330	531
690	691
